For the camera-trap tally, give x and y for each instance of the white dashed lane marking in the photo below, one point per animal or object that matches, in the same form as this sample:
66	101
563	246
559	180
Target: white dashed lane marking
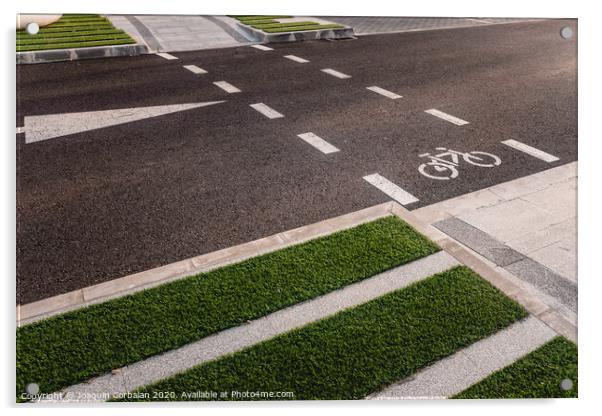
195	69
20	130
226	86
334	73
384	92
389	188
262	47
318	142
444	116
539	154
296	59
266	111
166	56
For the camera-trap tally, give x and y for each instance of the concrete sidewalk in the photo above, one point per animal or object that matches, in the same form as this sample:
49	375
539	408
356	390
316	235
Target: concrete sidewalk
175	33
526	228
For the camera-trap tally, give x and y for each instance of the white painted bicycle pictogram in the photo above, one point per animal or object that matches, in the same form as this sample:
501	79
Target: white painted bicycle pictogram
444	166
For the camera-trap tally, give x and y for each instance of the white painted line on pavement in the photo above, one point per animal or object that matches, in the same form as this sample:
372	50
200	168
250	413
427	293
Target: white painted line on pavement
266	111
262	47
20	130
296	59
166	56
472	364
226	86
384	92
237	338
318	142
455	120
390	189
335	73
479	20
195	69
540	154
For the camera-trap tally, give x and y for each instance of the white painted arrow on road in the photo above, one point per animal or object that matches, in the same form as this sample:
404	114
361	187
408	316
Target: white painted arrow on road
50	126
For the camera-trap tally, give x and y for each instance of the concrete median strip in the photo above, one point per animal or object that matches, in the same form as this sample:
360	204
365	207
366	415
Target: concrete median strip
235	339
472	364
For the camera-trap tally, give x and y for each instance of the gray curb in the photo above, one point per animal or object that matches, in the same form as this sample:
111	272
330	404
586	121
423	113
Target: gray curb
58	55
261	36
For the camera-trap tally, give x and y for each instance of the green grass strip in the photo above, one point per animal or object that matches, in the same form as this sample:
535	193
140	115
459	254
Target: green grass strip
251	18
24	35
272	25
82	39
26	48
260	22
363	349
300	28
537	375
69	29
78	345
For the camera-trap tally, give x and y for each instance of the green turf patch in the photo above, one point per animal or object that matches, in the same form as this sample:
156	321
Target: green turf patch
537	375
360	350
253	18
73	31
287	28
73	347
276	25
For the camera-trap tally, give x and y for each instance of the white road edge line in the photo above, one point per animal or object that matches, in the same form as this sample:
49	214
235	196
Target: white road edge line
384	92
226	86
455	120
334	73
20	130
296	59
472	364
266	111
539	154
262	47
166	56
195	69
389	188
318	142
237	338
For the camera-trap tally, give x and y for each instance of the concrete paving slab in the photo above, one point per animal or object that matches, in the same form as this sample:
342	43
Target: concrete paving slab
546	280
479	241
560	257
510	220
562	194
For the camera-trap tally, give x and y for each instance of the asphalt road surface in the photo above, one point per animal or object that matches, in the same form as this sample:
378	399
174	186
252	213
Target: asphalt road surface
103	203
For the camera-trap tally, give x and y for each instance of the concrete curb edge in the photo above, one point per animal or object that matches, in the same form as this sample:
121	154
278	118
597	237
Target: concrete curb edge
58	55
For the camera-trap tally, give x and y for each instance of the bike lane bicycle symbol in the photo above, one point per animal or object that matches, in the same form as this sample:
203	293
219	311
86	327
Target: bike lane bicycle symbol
444	166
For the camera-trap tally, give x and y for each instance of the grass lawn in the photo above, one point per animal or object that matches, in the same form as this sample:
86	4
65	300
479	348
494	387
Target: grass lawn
537	375
363	349
78	345
73	31
268	24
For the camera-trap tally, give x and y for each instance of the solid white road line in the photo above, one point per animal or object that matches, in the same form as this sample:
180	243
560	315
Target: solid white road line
457	121
20	130
540	154
226	86
319	143
262	47
296	59
384	92
237	338
335	73
49	126
166	56
391	189
195	69
266	111
472	364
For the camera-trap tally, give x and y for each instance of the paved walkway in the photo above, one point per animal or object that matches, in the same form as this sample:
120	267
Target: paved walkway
526	227
375	25
173	33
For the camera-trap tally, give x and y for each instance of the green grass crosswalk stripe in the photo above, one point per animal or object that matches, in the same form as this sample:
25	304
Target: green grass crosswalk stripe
360	350
537	375
78	345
